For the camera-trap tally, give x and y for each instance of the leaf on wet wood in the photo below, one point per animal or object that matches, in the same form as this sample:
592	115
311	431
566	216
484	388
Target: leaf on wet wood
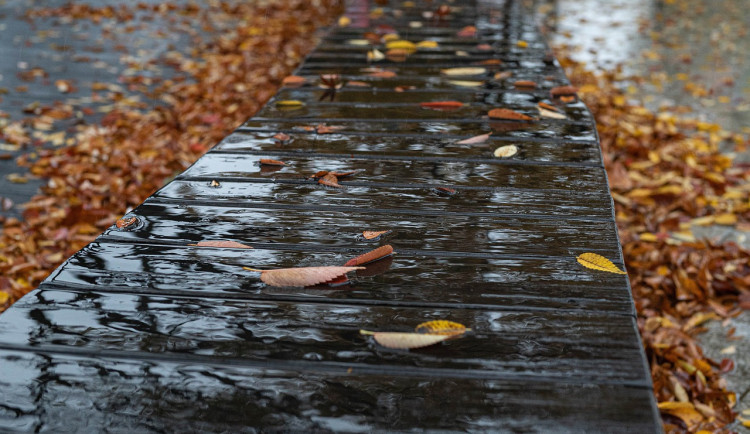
441	327
445	191
214	183
375	55
490	62
427	44
505	151
281	137
524	84
467	32
344	174
355	83
405	341
470	70
302	276
125	222
401	45
550	114
441	105
598	262
465	83
550	107
293	80
559	91
330	180
369	235
382	74
503	113
270	162
371	256
289	103
228	244
475	140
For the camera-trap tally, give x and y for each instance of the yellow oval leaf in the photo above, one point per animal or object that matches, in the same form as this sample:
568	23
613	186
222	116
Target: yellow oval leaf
401	45
289	103
506	151
598	262
441	327
464	83
344	21
470	70
4	297
427	44
405	341
359	42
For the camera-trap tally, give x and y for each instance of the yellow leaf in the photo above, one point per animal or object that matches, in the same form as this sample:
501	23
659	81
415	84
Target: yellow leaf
684	410
359	42
4	297
344	21
441	327
698	319
405	341
506	151
745	422
598	262
401	45
470	70
649	237
427	44
289	103
464	83
375	55
725	219
522	44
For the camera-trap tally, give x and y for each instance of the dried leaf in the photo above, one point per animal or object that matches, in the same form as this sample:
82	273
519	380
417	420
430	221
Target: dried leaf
302	276
281	137
270	162
382	74
550	107
524	84
375	55
371	256
445	191
598	262
550	114
289	103
401	45
441	105
471	70
441	327
503	113
475	140
463	83
330	180
505	151
683	410
467	32
214	183
405	341
294	80
427	44
228	244
125	222
369	235
559	91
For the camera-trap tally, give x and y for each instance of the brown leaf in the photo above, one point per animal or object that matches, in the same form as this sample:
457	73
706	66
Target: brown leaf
475	140
524	84
369	235
371	256
302	276
549	107
503	113
125	222
281	137
382	74
270	162
294	81
228	244
559	91
442	105
467	32
330	180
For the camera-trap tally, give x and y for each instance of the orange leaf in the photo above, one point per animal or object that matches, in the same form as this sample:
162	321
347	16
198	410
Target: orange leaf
302	276
490	62
281	137
549	107
330	180
229	244
344	174
445	191
441	105
503	113
559	91
474	140
525	84
355	83
371	256
382	74
125	222
271	162
467	32
293	80
368	235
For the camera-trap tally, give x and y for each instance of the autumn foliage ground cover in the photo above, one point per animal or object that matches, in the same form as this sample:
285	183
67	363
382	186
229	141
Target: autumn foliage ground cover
667	174
112	167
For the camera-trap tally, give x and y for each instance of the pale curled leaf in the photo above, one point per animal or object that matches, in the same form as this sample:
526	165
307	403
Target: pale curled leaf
405	341
465	83
598	262
229	244
303	276
475	140
470	70
505	151
550	114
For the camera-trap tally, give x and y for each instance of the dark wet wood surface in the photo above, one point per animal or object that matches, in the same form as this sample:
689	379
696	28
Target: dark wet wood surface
144	331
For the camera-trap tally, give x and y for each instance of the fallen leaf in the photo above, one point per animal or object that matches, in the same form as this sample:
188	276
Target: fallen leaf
490	62
503	113
270	162
405	341
382	74
445	191
463	71
475	140
550	114
427	44
505	151
228	244
559	91
524	84
369	235
464	83
293	80
408	46
442	105
214	183
302	276
5	204
344	21
598	262
371	256
442	327
550	107
330	180
354	83
4	297
683	410
375	55
289	103
467	32
281	137
343	174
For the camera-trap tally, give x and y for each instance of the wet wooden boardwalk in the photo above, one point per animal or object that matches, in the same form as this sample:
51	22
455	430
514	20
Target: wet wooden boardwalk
140	331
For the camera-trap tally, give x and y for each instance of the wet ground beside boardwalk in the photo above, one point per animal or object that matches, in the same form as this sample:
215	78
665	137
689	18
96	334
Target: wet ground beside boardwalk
146	329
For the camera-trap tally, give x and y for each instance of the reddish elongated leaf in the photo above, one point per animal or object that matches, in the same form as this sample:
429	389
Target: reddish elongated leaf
320	174
441	105
369	235
559	91
302	276
382	74
354	83
504	113
330	180
371	256
228	244
524	84
344	174
294	80
446	191
549	107
270	162
475	140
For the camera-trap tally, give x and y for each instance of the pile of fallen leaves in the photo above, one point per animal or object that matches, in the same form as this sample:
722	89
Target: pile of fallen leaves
666	176
112	167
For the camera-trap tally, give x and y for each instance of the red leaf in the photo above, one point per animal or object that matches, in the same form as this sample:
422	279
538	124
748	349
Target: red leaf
445	191
371	256
441	105
382	74
503	113
228	244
